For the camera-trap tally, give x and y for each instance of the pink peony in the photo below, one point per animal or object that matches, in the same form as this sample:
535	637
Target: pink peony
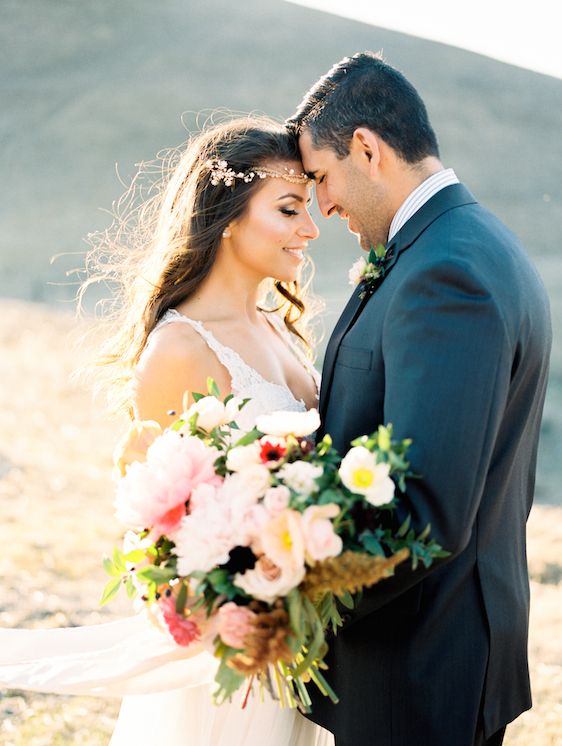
183	629
153	494
205	537
320	539
235	622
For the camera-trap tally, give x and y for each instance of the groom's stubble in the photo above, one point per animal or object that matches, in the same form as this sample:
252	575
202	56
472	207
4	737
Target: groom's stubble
368	207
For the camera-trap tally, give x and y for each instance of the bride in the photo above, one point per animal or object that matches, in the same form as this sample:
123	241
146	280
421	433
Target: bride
232	216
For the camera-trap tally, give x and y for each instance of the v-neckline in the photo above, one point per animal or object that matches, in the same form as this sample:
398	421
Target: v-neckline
239	357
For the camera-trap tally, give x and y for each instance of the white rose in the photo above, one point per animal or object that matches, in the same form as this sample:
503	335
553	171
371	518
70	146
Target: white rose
251	482
300	477
357	270
277	499
267	581
240	457
289	423
361	474
232	408
211	413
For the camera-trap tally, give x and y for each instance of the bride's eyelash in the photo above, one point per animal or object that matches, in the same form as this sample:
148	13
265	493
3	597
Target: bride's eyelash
288	211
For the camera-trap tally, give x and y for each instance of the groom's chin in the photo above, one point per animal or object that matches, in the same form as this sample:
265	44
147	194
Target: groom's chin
364	242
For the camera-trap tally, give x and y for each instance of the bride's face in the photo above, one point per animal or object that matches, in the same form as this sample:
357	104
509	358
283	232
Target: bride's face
270	238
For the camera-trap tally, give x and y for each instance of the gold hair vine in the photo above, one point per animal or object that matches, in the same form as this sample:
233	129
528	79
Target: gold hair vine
220	172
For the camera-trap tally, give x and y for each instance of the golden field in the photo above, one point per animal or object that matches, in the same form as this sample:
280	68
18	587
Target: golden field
56	522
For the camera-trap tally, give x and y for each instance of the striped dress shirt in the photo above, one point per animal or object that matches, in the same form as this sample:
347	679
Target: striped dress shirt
420	196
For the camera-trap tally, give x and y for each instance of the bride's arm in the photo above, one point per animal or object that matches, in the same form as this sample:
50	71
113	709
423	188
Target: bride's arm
175	360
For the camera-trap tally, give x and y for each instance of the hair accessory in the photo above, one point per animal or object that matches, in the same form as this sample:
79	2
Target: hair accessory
220	172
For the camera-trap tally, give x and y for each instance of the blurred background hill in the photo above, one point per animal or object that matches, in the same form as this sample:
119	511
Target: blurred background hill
90	89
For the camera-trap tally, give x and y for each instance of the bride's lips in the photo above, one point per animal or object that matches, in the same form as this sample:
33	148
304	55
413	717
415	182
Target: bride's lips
295	253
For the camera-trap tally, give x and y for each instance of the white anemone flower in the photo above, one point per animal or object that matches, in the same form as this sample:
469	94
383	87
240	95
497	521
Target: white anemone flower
361	474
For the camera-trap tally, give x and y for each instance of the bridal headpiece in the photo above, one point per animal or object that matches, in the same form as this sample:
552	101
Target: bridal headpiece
221	172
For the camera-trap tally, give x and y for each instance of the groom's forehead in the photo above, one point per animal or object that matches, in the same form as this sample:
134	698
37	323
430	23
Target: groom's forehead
313	158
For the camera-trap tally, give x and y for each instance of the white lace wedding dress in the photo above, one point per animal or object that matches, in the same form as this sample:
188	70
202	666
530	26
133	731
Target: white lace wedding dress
167	695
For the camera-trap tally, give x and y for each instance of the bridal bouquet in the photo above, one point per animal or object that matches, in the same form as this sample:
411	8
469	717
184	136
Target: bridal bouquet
253	541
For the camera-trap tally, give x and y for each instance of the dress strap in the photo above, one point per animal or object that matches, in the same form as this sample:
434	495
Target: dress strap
240	372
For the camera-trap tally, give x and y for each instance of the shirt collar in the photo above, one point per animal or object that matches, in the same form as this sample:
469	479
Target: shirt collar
421	194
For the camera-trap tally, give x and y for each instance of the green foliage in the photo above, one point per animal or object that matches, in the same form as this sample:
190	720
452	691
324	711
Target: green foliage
221	582
212	388
181	598
228	680
250	437
156	574
110	591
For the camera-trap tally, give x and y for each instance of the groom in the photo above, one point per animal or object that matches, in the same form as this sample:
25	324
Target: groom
451	346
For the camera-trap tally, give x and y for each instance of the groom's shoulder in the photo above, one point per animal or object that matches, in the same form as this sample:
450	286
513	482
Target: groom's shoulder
470	249
473	236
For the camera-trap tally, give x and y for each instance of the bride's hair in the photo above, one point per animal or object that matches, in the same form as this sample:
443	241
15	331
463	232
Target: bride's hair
165	234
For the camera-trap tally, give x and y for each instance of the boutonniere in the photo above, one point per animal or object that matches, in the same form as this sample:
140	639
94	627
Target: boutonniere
365	272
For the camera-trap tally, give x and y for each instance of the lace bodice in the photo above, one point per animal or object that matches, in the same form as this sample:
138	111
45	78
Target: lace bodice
265	396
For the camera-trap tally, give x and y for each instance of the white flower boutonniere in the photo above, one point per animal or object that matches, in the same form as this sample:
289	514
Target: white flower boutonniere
365	272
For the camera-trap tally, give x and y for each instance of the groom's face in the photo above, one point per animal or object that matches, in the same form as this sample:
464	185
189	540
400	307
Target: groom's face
343	189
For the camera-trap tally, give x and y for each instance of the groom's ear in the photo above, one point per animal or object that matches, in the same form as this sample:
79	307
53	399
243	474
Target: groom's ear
365	151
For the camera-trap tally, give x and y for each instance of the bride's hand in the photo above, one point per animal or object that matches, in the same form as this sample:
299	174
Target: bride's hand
135	443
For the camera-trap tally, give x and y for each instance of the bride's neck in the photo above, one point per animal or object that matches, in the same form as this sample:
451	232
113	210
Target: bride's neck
224	296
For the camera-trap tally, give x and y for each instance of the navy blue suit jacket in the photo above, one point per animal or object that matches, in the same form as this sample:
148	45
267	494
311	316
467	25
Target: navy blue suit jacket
453	350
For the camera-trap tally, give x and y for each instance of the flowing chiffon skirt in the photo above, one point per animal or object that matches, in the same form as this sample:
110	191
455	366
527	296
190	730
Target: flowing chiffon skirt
166	688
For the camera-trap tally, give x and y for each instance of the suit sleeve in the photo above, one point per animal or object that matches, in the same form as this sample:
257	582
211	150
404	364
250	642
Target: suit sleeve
447	358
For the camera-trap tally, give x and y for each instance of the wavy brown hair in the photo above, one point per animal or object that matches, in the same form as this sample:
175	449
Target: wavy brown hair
164	238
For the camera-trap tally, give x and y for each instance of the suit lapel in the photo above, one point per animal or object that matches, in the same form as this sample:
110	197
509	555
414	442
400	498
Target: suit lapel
455	195
350	312
452	196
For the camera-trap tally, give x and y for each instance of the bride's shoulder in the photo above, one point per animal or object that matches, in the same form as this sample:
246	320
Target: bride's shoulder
174	343
175	359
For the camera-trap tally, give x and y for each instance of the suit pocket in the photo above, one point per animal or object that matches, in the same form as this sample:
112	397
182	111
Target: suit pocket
354	357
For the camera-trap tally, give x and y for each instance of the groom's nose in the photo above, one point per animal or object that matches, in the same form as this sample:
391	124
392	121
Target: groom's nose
326	205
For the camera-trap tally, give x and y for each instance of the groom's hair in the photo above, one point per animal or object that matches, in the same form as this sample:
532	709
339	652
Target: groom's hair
364	91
